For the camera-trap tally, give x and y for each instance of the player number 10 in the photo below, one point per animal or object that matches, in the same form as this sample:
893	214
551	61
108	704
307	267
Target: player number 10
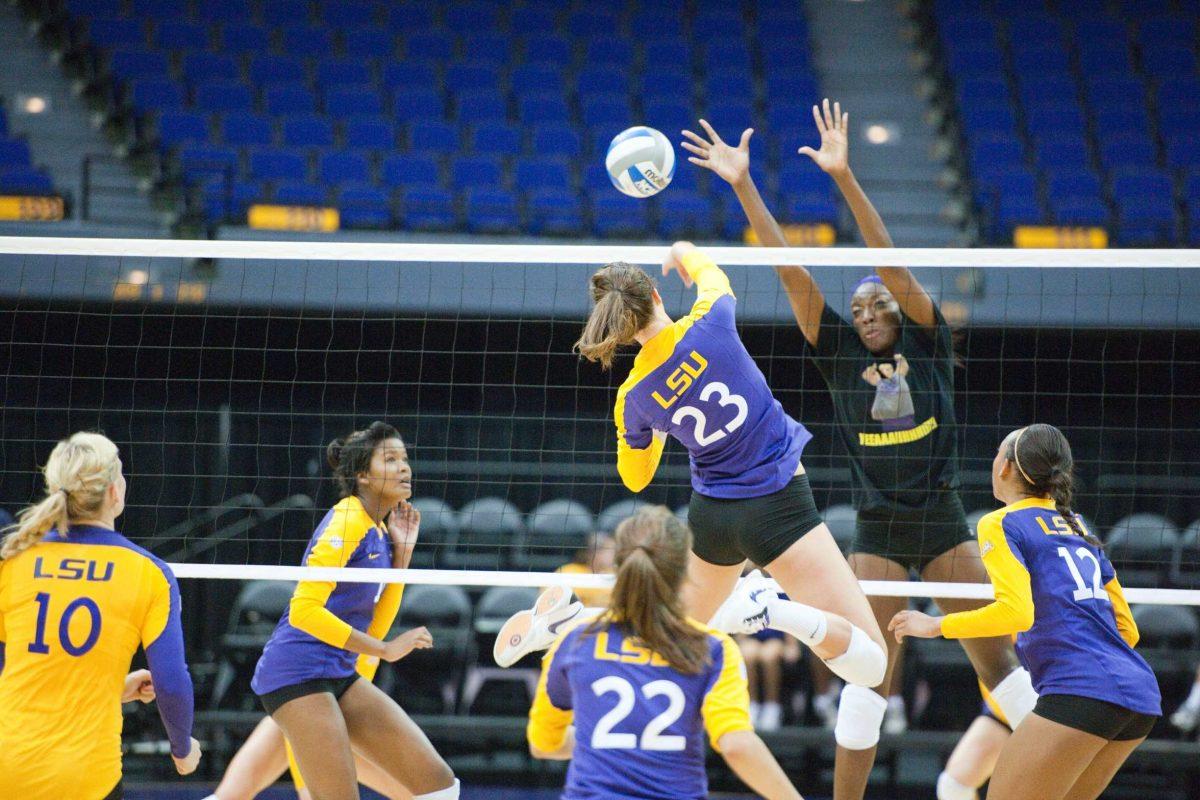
39	645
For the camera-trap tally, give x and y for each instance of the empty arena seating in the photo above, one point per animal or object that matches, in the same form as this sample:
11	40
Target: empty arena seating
1079	114
17	173
488	117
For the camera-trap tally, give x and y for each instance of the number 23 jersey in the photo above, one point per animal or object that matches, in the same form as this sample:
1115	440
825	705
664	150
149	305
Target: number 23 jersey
696	381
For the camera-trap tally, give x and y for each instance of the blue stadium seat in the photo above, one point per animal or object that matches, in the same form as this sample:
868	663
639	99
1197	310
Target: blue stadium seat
468	171
116	33
202	161
1167	61
1032	26
308	130
299	193
1178	91
238	37
670	116
491	210
543	173
462	77
967	27
809	207
203	67
1001	151
601	80
1127	148
665	50
1036	59
431	45
710	24
481	105
1058	90
992	118
536	79
554	212
733	55
181	127
657	20
269	164
370	133
1105	59
429	208
1179	31
409	169
369	43
468	15
669	84
344	13
158	10
1102	90
1062	149
1133	184
982	89
409	17
1128	117
130	64
791	88
14	153
486	47
556	139
223	10
527	17
1093	29
607	111
1017	209
342	72
1183	151
499	138
614	214
342	166
1080	211
683	214
25	180
1073	183
433	136
787	117
729	85
364	206
729	117
592	23
1147	220
543	48
347	101
1054	118
417	105
276	69
609	51
223	97
289	98
247	128
976	61
94	8
535	108
181	35
152	94
277	13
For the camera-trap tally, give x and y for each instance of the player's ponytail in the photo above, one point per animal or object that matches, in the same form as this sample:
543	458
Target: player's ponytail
624	304
77	474
1043	459
350	456
651	560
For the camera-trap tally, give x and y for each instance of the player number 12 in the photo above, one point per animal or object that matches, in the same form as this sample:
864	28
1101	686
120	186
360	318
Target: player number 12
1082	592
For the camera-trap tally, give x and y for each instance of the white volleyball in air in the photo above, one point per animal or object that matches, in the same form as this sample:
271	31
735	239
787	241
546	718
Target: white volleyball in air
640	161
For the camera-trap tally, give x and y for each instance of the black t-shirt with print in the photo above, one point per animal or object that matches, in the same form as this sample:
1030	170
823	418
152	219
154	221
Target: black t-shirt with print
898	429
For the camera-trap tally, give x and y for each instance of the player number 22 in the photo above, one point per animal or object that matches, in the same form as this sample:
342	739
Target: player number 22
652	736
727	398
1082	591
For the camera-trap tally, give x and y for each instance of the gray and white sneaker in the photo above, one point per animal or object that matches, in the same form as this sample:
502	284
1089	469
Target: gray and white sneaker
745	610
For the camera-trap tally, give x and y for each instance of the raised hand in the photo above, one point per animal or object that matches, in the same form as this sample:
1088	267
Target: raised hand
674	261
731	163
405	643
404	526
834	155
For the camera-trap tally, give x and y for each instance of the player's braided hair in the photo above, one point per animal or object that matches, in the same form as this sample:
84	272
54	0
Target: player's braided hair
78	473
651	561
350	456
624	298
1043	459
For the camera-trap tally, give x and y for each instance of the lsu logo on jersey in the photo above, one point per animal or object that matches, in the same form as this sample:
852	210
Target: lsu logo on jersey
682	378
73	569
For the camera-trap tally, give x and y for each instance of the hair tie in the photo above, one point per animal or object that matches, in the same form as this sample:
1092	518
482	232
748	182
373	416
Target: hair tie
1017	457
66	495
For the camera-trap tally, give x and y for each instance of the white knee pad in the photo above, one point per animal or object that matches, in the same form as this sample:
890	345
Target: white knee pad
864	663
950	789
1015	696
449	793
859	719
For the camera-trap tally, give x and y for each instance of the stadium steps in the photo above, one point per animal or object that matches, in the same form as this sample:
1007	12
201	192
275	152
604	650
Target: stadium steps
61	137
862	59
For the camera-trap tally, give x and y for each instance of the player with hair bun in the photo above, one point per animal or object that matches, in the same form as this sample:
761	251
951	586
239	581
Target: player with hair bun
306	677
76	600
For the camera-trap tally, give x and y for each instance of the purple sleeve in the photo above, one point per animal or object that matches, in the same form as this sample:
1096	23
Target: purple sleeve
169	670
1012	532
1	658
558	687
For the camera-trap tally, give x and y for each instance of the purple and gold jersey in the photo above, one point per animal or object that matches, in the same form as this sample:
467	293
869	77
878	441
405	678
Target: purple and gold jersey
1062	597
309	641
696	382
639	723
73	611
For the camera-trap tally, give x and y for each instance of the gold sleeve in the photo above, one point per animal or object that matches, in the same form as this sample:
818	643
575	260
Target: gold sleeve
1125	624
1012	611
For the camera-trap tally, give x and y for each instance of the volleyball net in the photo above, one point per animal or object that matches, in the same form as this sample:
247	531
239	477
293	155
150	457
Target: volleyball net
222	368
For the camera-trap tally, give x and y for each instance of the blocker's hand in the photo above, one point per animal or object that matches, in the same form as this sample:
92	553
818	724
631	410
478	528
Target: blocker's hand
914	623
674	261
834	155
730	163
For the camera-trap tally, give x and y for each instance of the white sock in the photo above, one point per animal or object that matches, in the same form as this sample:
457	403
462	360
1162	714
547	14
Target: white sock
1193	699
896	701
806	623
1015	696
950	789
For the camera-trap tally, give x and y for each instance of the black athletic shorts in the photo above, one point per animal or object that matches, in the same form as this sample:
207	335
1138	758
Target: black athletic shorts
914	538
727	532
273	701
1097	717
116	794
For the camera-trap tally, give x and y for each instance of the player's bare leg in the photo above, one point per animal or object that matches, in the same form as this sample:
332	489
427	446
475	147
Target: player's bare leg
321	742
1043	761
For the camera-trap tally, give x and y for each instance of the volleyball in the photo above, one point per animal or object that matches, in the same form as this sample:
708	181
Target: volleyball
640	161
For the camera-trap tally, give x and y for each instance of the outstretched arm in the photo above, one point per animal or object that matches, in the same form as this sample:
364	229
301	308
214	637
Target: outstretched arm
834	159
733	165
